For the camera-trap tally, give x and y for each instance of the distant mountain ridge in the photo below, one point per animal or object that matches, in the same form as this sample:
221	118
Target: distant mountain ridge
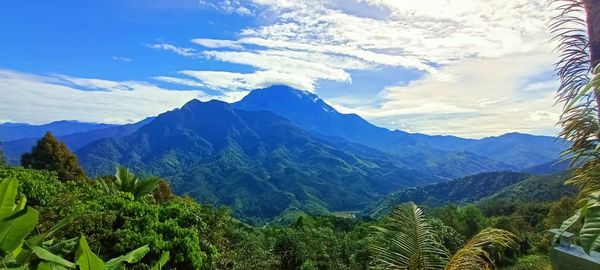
14	149
256	162
445	156
484	188
16	131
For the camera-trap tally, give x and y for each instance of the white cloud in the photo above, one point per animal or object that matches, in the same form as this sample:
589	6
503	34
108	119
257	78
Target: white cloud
485	98
232	81
175	80
217	43
228	6
40	99
122	59
188	52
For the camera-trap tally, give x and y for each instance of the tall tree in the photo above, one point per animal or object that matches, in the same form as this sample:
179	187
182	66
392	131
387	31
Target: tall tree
576	28
2	157
52	155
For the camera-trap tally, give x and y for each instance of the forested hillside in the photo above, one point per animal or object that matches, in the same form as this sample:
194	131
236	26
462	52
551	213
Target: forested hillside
255	162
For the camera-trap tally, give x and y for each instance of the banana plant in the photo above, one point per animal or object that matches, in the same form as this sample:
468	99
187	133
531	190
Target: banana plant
19	250
589	235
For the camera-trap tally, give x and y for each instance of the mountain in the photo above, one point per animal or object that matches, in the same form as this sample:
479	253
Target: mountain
519	150
547	168
461	190
489	189
16	131
258	163
310	112
14	149
545	188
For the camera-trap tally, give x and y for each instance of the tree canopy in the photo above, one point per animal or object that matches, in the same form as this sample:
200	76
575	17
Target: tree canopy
52	155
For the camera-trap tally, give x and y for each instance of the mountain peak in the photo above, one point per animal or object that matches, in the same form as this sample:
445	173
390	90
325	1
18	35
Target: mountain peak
283	91
212	104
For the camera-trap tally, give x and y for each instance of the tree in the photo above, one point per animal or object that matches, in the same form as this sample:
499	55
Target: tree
52	155
577	30
162	192
2	157
407	241
125	181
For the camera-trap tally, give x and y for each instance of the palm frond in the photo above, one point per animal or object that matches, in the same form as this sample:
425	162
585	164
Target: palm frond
407	242
587	178
569	30
125	179
146	186
478	252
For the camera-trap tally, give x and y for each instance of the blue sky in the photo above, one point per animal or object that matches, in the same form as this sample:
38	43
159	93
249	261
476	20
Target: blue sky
458	67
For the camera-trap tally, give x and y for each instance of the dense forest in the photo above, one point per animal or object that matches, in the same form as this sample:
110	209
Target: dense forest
120	214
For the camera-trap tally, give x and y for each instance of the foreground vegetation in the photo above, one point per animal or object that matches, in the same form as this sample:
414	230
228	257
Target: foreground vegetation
115	221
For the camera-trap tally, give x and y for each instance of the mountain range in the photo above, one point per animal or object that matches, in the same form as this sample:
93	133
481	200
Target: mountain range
509	187
280	147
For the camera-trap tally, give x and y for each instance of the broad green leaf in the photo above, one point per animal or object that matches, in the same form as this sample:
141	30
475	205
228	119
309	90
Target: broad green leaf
85	258
50	266
8	194
50	257
15	228
131	257
36	240
589	236
63	247
164	258
21	205
567	224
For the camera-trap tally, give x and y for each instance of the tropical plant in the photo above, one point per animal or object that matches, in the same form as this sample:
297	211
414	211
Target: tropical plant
125	181
477	253
576	28
19	250
52	155
407	241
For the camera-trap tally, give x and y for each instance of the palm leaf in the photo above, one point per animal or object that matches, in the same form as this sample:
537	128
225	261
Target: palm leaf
407	242
476	254
146	186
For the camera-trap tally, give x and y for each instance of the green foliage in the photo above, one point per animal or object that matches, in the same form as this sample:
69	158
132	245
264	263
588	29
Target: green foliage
531	262
407	241
448	236
85	258
461	190
2	157
467	220
20	250
52	155
126	181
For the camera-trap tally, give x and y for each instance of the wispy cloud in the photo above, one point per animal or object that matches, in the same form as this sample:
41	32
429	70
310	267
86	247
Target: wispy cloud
34	98
122	59
229	6
188	52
